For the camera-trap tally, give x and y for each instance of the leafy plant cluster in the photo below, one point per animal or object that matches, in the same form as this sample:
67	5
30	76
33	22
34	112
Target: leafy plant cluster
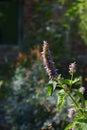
25	103
71	89
68	88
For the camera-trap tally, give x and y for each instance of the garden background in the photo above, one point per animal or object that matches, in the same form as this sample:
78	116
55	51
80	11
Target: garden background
24	25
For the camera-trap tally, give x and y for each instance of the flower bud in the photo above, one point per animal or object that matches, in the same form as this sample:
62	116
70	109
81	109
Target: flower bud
72	67
81	89
71	112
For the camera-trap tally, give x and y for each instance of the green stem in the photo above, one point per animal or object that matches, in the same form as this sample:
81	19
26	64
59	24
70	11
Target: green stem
74	101
77	105
71	80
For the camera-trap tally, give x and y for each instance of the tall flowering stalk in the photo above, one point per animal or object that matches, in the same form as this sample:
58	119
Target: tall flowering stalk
78	106
48	62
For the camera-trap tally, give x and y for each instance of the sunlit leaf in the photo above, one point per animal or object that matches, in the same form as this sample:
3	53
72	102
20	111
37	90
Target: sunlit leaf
69	126
67	81
50	89
77	80
61	98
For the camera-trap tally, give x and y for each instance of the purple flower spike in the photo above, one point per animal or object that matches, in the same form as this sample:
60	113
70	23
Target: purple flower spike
48	62
72	67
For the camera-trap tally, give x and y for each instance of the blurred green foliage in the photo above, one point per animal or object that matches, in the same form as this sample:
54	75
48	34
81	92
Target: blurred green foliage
46	25
83	20
57	22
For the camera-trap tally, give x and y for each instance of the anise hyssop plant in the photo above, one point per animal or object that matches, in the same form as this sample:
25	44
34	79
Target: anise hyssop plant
77	110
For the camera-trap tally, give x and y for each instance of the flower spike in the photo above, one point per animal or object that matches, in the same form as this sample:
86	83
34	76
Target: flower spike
48	62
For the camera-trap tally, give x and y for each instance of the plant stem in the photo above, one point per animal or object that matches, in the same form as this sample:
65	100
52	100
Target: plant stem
77	105
74	100
71	80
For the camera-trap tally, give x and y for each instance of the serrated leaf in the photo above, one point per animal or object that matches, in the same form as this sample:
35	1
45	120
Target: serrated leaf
61	98
50	89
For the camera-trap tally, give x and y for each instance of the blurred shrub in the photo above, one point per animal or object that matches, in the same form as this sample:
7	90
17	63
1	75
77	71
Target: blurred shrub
27	105
62	23
47	24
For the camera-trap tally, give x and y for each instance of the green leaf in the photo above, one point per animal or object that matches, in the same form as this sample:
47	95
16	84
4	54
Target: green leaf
67	81
82	120
81	126
77	81
54	83
79	117
61	98
59	80
59	77
81	123
69	126
86	104
50	89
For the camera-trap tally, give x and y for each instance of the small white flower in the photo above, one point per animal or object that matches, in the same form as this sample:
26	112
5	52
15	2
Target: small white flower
81	89
72	67
71	112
